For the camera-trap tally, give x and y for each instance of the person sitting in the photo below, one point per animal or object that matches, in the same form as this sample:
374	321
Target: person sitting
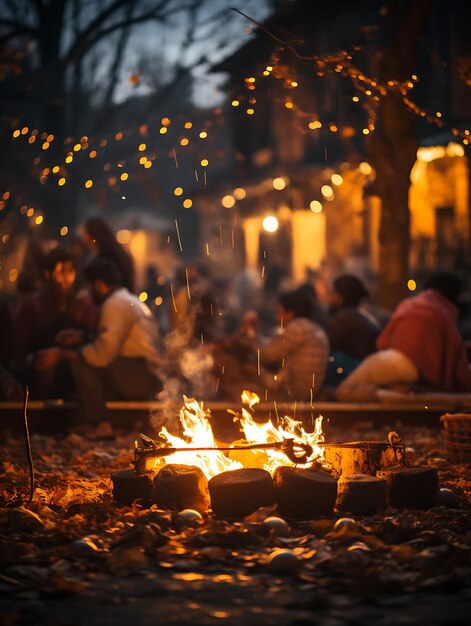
421	345
43	316
299	350
102	243
123	360
352	330
289	365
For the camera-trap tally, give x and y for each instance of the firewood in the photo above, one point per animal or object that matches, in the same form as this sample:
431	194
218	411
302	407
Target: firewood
302	493
238	493
359	457
410	486
181	487
129	485
361	494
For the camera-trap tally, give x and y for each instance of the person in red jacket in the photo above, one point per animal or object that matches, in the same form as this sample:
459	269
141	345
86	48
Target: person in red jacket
421	346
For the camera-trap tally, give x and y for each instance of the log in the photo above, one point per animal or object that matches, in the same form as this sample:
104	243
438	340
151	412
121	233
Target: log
129	485
303	493
410	486
180	487
361	494
238	493
359	457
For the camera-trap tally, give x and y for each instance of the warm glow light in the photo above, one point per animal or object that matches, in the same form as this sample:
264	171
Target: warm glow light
69	158
143	160
239	193
184	141
56	169
188	125
165	121
39	220
88	184
203	134
228	201
178	191
336	179
162	130
77	147
411	284
327	191
142	147
143	296
30	212
270	224
13	275
235	103
365	168
61	182
124	176
148	164
315	206
16	133
204	162
289	105
158	301
187	203
123	236
63	231
315	124
250	111
279	183
365	131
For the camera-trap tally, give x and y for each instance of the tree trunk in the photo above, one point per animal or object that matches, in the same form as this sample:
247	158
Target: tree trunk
394	144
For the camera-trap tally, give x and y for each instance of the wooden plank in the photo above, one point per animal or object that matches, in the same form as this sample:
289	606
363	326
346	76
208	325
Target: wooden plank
279	408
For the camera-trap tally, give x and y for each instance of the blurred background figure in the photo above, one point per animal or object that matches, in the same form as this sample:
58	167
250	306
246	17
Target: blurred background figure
43	317
31	275
352	330
101	241
195	311
10	388
421	348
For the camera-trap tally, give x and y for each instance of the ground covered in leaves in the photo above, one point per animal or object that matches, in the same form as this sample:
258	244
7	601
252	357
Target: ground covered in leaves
73	557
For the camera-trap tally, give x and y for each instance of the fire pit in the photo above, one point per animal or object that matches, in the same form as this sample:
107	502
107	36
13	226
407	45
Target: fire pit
273	464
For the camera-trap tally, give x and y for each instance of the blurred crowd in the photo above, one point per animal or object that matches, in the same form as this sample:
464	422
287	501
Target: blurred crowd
78	329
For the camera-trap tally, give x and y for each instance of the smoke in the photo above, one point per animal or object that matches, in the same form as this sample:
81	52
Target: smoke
186	370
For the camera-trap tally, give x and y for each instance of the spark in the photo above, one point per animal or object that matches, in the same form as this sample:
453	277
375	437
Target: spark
187	283
175	157
173	298
178	235
196	176
258	361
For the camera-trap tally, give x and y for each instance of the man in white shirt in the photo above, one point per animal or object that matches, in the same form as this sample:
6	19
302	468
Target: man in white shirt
122	362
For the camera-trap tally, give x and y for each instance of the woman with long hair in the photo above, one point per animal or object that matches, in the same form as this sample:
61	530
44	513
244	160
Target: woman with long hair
101	239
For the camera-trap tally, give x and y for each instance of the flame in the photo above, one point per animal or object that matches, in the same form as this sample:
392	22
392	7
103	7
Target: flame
197	433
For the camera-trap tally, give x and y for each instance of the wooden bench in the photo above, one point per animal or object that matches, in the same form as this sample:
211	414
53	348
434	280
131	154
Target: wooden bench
392	408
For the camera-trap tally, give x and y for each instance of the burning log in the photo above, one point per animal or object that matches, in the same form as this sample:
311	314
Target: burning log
128	486
361	494
303	493
361	457
180	487
237	493
410	486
